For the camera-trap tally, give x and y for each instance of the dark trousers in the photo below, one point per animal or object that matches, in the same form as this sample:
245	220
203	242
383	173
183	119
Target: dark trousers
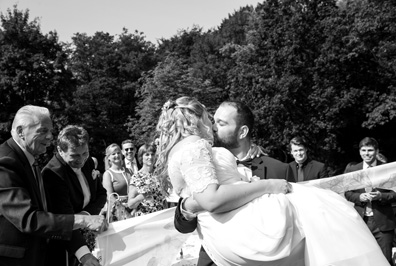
204	259
384	238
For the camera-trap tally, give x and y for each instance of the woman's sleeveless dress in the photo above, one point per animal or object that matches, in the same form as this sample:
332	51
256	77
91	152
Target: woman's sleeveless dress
120	180
309	226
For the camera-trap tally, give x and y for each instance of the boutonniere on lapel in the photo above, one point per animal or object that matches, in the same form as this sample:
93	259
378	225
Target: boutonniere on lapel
95	173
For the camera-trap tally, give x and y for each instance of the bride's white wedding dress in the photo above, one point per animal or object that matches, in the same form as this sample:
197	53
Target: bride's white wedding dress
309	226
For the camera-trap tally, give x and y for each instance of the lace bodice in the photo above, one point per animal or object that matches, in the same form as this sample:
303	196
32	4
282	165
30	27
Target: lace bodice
196	165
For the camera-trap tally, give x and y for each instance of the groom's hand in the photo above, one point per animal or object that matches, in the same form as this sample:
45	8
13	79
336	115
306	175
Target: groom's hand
280	186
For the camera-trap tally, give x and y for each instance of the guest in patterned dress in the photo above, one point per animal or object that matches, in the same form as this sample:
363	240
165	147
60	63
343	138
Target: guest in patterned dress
145	189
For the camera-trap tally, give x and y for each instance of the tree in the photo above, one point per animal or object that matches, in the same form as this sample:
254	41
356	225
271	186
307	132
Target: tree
172	78
107	71
314	69
33	68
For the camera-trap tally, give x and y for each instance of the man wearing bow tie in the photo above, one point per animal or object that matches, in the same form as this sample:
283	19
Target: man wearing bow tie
72	186
232	128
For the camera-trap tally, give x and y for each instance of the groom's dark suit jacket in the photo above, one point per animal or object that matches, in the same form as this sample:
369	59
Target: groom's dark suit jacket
65	195
269	168
24	226
264	167
383	213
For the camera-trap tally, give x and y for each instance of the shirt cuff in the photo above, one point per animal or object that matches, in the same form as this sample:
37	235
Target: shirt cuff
84	250
186	214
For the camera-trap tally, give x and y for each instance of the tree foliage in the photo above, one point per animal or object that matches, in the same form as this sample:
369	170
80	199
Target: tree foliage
33	68
171	79
107	71
313	69
323	69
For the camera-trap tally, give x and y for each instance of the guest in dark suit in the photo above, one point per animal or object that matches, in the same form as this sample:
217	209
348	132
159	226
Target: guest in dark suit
374	204
232	130
303	167
128	149
25	225
72	186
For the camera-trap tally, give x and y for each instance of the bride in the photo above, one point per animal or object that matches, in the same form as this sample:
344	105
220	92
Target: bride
256	223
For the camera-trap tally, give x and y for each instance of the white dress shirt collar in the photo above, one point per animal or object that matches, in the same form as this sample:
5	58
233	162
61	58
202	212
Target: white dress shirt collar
84	185
246	172
28	155
131	165
365	165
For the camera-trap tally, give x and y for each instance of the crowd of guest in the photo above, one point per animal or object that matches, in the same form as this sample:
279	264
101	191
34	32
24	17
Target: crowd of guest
72	189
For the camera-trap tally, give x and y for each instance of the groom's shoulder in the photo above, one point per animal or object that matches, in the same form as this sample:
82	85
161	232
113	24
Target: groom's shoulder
269	161
274	169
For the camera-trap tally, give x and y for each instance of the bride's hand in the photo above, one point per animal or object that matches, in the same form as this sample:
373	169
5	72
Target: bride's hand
280	186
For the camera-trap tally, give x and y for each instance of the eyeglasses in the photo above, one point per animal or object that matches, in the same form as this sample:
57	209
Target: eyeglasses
129	149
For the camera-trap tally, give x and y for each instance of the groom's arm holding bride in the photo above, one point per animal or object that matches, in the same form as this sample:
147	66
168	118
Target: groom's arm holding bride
185	220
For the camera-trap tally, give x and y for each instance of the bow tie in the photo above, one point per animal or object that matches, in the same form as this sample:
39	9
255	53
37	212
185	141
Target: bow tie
246	163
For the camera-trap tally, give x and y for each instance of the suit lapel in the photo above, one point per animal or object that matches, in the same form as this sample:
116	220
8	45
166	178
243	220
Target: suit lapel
293	166
359	166
307	170
87	171
258	168
28	170
70	174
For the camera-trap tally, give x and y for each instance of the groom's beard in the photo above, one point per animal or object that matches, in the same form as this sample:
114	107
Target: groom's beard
229	142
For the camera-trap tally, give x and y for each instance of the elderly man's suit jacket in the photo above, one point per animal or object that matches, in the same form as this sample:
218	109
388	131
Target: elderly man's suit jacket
65	195
24	225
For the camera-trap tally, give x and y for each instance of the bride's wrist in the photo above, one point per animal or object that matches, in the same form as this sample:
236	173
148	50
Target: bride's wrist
187	214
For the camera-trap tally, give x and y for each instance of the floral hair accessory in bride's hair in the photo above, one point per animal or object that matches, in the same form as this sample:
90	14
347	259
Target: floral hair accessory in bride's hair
168	105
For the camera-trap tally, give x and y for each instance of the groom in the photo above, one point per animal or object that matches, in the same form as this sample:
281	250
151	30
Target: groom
232	129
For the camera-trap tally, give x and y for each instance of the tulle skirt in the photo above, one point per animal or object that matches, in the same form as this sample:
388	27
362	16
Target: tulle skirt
310	226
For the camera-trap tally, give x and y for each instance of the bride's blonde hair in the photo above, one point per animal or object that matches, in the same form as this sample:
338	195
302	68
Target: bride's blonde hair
178	119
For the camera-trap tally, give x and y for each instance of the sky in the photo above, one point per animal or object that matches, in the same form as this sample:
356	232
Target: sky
155	18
